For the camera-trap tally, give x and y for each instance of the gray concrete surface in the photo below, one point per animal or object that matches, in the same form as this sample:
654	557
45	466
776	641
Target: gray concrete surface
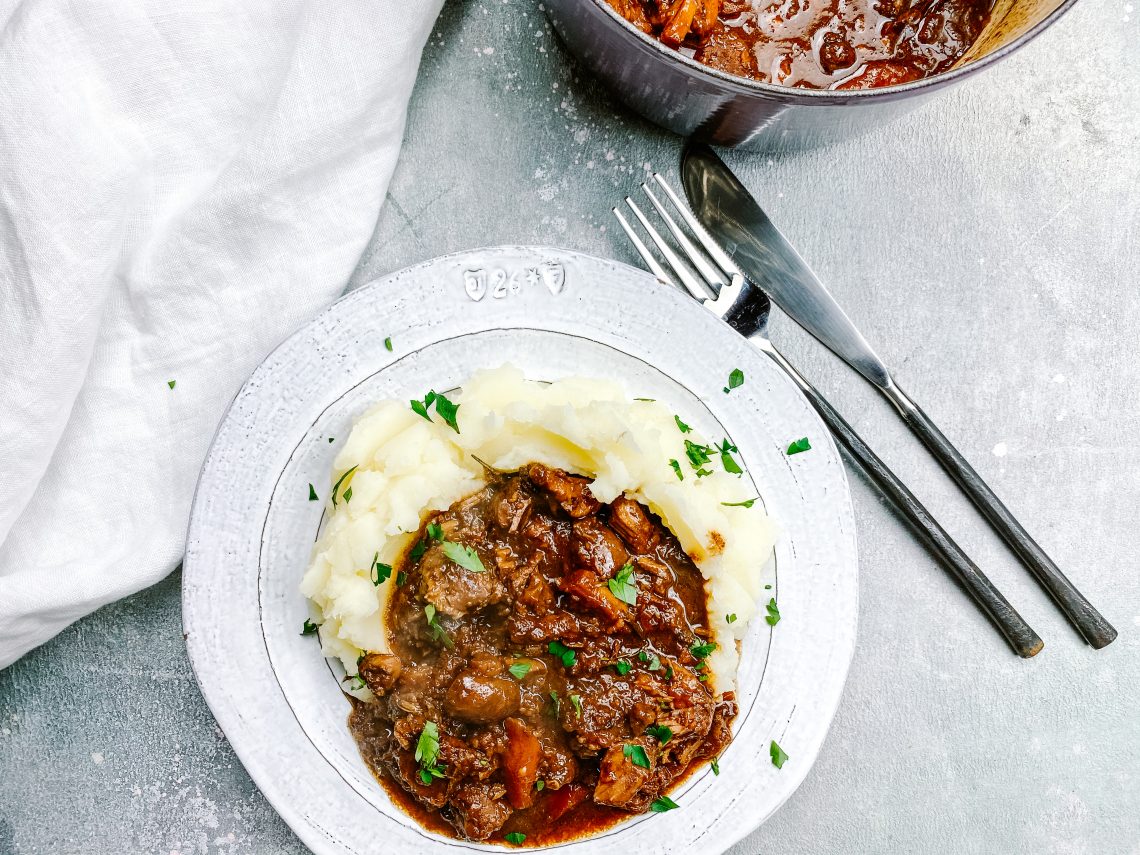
987	243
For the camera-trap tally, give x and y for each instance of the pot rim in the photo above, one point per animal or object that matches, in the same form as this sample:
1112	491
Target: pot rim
833	96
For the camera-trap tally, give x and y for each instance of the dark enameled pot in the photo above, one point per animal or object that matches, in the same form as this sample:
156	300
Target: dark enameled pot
692	99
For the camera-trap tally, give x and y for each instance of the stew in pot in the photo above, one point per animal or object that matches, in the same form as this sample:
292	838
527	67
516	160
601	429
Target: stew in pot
816	44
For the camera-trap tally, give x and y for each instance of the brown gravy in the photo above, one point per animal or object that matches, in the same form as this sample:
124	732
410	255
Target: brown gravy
546	675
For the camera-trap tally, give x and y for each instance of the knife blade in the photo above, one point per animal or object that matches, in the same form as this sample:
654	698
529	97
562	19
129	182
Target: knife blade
729	213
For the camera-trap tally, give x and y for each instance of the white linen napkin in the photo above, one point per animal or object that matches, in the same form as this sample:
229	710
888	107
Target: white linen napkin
181	185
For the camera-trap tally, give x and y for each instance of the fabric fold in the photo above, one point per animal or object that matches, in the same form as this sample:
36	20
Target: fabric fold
180	188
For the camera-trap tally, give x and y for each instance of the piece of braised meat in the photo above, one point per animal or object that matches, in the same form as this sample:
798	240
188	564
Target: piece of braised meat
571	491
453	591
620	777
629	519
380	671
479	809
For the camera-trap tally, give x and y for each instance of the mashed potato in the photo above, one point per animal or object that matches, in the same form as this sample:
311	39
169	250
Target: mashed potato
400	467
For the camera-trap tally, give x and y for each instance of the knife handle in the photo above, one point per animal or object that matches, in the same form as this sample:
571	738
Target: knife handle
1097	631
1021	637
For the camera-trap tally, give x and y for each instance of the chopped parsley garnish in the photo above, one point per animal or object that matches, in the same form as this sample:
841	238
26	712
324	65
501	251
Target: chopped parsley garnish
427	747
332	439
698	454
427	753
622	667
767	587
799	445
560	650
519	670
437	631
401	578
715	764
379	572
171	383
654	663
515	837
557	703
308	627
730	618
347	495
702	472
735	380
464	556
677	468
420	408
435	531
576	702
681	426
663	733
745	504
444	408
662	804
540	785
773	616
701	651
343	481
726	450
623	585
388	344
637	756
312	494
357	681
418	551
651	658
779	758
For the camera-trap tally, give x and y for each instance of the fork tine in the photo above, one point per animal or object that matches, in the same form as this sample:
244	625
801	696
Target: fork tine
711	246
693	255
654	266
691	283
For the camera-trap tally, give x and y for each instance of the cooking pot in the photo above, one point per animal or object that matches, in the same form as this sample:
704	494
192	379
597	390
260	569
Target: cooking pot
692	99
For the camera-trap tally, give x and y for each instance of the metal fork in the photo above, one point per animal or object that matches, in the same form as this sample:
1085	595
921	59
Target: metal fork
714	280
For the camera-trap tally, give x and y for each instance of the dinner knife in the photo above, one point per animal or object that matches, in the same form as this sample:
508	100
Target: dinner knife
749	318
734	218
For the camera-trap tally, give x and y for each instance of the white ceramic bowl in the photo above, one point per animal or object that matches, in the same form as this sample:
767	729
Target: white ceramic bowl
552	313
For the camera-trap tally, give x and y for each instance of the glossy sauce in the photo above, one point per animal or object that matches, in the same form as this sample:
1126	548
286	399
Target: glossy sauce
544	753
816	44
583	821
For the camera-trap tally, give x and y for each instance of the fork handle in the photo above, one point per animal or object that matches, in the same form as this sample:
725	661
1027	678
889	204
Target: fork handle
1021	637
1097	631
